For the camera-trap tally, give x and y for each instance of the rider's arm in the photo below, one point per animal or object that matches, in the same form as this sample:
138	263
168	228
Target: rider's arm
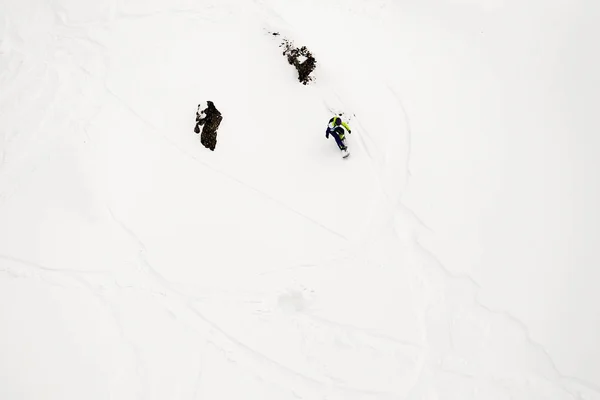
345	125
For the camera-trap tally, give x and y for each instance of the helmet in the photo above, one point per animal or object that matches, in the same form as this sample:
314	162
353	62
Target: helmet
337	121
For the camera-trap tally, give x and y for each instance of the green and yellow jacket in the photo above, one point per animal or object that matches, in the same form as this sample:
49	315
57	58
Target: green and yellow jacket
332	127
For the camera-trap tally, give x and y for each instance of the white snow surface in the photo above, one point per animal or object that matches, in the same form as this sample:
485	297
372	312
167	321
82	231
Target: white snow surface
453	255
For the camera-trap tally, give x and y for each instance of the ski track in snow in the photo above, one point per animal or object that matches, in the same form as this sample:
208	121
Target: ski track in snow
407	127
90	284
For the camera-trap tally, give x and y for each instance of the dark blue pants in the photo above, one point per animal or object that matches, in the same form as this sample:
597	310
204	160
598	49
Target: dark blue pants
339	141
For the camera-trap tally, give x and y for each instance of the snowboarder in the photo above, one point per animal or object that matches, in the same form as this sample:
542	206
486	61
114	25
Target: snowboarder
211	118
336	128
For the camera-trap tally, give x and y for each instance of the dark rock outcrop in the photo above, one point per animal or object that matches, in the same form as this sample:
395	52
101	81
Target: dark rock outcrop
300	58
209	118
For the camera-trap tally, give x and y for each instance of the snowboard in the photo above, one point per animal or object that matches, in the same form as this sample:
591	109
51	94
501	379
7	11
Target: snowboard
346	152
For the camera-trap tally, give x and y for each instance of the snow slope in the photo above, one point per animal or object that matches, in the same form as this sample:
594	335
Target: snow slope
450	257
